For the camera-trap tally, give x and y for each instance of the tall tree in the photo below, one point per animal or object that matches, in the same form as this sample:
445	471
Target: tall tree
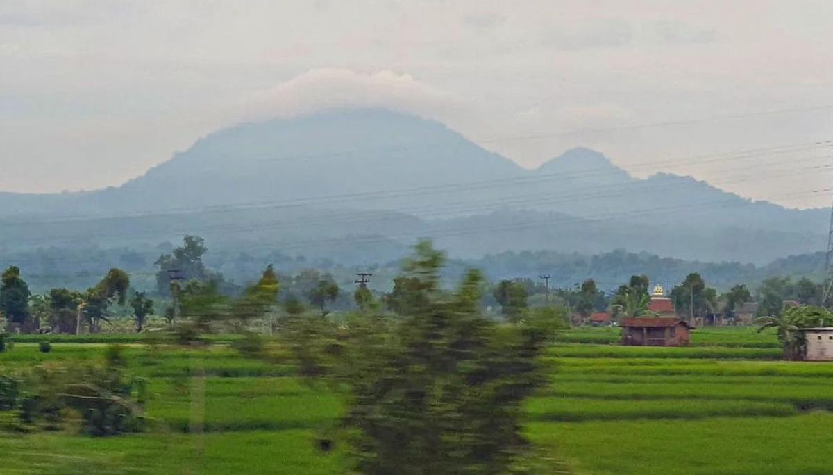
142	307
64	310
693	297
734	299
326	290
588	297
258	299
632	299
512	297
14	296
112	289
184	263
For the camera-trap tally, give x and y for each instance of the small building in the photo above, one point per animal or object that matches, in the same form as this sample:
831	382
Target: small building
661	331
600	319
818	344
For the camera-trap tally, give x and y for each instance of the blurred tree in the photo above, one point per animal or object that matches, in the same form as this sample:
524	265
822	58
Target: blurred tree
587	298
326	290
258	299
142	307
735	298
512	297
808	292
110	290
184	263
64	310
440	390
14	296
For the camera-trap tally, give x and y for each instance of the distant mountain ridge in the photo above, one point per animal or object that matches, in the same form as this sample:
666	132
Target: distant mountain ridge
332	175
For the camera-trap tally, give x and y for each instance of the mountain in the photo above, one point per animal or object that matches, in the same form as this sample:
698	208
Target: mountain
324	182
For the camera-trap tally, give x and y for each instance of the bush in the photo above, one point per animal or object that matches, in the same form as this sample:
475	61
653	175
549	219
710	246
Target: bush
3	340
100	397
45	347
9	392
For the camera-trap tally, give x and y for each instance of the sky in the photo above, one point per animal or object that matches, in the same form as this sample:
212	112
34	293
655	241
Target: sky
93	93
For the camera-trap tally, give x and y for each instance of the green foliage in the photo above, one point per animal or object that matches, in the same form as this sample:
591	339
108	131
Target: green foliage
323	291
735	298
185	261
512	297
44	346
63	305
9	392
440	390
4	338
632	299
142	307
588	297
693	297
363	297
98	398
14	296
790	321
258	299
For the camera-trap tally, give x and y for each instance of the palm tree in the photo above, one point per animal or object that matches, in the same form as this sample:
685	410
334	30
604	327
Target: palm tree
788	324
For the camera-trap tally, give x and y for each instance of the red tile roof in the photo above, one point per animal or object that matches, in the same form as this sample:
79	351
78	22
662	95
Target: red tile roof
661	305
652	322
601	317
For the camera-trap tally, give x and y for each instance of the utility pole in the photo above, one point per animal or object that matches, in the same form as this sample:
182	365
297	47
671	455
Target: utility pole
363	278
546	278
362	295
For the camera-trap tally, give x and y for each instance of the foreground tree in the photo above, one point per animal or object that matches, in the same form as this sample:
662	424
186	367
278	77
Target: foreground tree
14	296
437	390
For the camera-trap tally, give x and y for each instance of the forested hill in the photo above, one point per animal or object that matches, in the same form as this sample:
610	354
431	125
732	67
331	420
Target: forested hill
320	181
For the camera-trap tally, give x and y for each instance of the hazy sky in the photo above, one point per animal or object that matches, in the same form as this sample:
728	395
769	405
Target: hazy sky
93	93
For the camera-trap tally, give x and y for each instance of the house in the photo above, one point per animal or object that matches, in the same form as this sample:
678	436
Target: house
661	305
599	319
818	344
661	331
745	314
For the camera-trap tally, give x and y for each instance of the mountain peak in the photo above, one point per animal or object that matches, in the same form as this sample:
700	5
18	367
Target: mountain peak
581	162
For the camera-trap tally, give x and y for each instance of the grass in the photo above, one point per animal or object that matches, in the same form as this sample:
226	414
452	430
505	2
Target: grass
725	405
718	446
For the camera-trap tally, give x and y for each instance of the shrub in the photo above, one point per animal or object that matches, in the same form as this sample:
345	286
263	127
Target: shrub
3	340
45	347
9	392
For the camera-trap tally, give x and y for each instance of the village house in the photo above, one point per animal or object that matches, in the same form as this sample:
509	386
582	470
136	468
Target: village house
600	319
659	331
818	344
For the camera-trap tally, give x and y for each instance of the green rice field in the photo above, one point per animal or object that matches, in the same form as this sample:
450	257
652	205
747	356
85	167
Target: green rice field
725	405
